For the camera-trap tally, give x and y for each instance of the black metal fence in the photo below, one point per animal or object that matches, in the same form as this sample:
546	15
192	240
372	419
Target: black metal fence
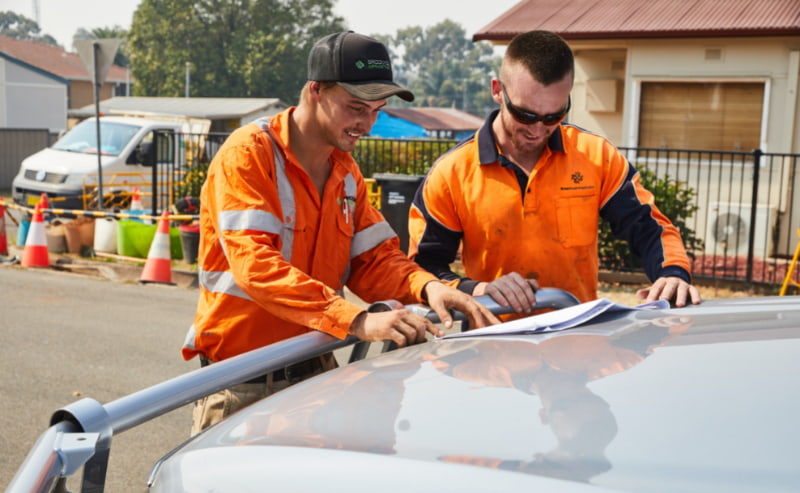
748	209
401	156
747	217
197	151
747	205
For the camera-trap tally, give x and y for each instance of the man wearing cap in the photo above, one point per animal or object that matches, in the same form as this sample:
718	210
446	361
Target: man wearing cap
286	224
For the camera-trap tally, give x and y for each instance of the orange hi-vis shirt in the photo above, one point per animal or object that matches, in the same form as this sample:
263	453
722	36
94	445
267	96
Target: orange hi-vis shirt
274	257
543	226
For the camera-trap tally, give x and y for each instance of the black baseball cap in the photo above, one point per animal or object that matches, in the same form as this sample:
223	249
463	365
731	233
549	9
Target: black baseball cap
358	63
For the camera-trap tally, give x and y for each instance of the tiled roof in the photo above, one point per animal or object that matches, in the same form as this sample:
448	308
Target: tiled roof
602	19
437	118
54	60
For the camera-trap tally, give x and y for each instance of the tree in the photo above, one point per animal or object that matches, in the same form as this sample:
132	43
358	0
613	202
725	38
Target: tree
18	26
675	200
236	48
160	43
444	68
278	53
121	58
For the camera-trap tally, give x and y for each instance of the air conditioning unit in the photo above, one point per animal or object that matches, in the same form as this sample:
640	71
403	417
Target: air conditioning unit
728	227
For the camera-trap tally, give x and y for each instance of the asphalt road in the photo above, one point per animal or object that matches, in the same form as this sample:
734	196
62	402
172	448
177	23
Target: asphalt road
68	336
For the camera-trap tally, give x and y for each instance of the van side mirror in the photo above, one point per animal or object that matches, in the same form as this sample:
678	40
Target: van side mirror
145	154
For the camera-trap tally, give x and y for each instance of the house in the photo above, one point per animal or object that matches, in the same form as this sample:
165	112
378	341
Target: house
717	75
417	123
733	65
39	83
225	114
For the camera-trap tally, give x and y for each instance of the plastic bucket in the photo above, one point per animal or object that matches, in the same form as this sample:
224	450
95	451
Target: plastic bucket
105	235
190	242
134	239
56	237
22	232
80	233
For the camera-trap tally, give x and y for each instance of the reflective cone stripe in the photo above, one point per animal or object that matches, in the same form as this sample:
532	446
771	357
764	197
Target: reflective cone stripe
35	253
158	267
3	237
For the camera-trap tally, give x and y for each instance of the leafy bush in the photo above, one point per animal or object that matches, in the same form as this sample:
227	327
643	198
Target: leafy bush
190	181
675	200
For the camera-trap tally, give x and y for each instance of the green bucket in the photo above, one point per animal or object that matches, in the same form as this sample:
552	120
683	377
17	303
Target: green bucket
134	239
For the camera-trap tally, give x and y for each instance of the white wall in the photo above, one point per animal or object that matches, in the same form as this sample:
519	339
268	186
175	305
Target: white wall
29	99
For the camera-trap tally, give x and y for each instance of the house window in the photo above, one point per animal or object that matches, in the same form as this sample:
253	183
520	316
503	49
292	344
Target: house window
718	116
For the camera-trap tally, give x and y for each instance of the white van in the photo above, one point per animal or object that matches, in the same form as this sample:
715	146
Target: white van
69	168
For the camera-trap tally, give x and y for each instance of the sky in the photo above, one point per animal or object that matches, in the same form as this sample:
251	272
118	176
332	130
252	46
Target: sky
61	18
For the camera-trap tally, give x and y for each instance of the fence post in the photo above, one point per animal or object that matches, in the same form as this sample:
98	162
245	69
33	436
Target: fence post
757	154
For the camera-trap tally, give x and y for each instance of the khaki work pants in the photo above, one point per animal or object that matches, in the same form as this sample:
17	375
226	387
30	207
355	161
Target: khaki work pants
215	407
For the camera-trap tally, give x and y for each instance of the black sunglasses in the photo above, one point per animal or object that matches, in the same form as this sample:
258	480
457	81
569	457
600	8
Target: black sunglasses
528	118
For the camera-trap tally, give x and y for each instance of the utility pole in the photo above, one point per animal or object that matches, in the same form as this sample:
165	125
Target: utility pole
464	95
188	78
36	12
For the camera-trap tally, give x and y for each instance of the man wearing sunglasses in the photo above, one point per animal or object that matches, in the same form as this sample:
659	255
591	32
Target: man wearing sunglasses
522	197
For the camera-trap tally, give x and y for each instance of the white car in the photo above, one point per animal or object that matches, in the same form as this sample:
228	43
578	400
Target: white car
702	398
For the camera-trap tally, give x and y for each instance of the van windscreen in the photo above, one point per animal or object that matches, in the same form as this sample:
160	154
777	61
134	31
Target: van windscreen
83	138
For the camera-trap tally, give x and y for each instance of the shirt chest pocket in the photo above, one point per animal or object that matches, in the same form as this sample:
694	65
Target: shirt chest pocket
345	217
346	203
576	220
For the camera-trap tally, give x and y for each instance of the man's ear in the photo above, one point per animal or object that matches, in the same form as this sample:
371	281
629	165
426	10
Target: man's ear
497	94
314	88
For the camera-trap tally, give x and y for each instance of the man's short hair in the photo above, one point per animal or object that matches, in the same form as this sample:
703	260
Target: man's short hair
545	54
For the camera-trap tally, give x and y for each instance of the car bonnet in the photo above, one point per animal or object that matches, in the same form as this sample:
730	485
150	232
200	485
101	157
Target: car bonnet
702	397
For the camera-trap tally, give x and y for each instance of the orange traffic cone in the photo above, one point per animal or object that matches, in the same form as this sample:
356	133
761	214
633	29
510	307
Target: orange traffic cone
43	202
3	237
136	200
158	267
35	253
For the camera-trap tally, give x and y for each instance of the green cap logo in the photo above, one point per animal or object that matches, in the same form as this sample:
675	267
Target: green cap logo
359	64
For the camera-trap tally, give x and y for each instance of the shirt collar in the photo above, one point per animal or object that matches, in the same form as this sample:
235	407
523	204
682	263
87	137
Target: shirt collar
279	124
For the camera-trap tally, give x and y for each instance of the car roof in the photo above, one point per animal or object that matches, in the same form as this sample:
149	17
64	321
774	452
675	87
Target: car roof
137	121
702	399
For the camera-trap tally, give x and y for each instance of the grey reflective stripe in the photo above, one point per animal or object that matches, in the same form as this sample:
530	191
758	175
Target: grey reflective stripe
266	221
221	282
262	122
346	275
286	196
188	343
251	219
350	187
369	238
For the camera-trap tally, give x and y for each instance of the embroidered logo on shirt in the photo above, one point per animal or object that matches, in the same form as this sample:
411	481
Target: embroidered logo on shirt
577	178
